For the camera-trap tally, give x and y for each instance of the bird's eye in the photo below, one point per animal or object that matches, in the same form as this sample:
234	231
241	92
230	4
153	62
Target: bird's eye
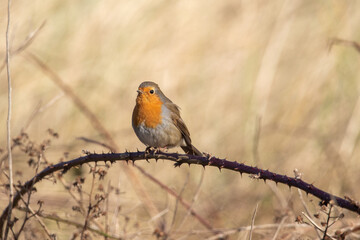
151	91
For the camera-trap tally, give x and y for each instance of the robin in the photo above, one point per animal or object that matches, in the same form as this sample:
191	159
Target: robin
157	122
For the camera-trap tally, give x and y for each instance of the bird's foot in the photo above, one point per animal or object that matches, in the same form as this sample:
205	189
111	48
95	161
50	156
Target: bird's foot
149	150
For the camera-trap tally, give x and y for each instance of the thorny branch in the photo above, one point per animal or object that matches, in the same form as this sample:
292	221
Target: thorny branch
179	159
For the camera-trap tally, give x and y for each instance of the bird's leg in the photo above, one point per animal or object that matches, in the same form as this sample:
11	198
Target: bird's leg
149	149
162	149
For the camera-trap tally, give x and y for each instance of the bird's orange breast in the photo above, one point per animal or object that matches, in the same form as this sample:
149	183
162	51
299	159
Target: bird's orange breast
147	110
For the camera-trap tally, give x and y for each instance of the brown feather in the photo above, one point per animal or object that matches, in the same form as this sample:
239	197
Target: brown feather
179	123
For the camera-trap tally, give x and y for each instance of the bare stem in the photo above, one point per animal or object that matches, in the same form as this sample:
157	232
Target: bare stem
327	222
253	221
8	122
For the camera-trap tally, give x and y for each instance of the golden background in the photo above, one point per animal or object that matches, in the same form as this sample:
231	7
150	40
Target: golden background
256	81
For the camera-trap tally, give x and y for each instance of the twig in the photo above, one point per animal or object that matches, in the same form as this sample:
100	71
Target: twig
68	188
30	119
298	176
177	202
88	140
27	42
181	200
26	218
90	207
315	225
327	222
312	221
78	201
8	124
35	214
180	159
253	221
346	231
280	226
196	195
159	215
336	41
69	222
226	232
107	209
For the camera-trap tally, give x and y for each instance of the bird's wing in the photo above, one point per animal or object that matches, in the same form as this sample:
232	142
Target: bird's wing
179	123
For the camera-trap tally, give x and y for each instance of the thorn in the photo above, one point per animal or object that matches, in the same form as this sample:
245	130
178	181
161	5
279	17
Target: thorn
219	169
127	162
189	164
264	180
147	160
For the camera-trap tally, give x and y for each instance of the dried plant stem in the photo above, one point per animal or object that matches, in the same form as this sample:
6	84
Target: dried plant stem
280	226
177	203
342	233
79	202
187	205
180	159
8	127
339	41
253	221
307	211
226	232
25	44
327	222
90	207
107	209
69	222
316	225
68	188
196	195
28	209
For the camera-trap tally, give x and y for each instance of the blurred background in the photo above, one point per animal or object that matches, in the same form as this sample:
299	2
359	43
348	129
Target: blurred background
257	82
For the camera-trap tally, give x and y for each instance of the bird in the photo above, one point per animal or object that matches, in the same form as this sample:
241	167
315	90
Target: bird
157	122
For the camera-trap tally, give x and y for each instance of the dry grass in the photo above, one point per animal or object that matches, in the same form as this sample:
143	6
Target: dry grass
226	64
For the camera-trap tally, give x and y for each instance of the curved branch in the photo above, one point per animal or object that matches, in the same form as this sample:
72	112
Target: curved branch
180	159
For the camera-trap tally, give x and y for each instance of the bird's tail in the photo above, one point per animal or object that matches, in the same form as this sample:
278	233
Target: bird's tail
190	149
